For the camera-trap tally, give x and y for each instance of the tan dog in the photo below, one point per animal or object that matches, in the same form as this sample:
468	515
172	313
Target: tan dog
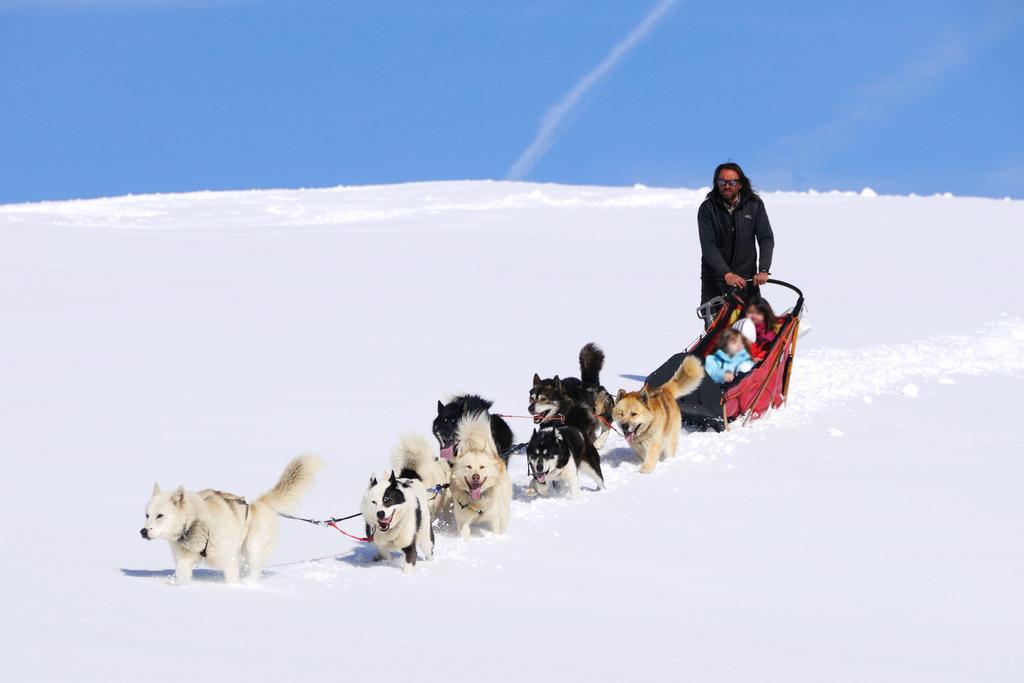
650	418
481	486
222	529
415	457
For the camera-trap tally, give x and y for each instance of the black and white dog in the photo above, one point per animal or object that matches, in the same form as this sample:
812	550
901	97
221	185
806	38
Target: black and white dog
446	424
560	453
397	517
581	403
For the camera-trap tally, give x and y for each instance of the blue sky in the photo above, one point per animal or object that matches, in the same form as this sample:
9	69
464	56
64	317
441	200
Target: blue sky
107	97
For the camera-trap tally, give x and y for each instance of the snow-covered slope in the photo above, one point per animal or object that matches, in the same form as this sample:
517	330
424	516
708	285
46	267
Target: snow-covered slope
870	531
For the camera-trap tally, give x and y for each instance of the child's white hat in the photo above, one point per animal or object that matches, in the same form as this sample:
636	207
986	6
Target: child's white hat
745	326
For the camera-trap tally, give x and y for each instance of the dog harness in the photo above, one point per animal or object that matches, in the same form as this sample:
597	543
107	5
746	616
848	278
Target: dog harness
468	504
232	498
186	540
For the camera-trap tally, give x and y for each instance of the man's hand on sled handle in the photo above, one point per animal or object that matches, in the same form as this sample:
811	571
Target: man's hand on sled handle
735	280
761	278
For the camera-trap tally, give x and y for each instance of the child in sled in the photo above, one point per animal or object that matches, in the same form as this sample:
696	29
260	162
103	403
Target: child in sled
731	358
760	312
748	332
758	328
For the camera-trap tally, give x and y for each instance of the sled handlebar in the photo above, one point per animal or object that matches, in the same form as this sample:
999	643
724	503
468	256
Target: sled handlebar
799	306
797	309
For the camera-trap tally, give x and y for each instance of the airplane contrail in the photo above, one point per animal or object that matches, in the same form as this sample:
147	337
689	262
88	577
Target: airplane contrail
544	138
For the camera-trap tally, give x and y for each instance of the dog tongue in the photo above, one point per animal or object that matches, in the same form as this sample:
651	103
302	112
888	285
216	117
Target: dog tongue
448	452
629	437
476	493
541	477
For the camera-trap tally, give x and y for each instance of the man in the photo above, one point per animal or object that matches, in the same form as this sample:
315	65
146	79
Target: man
730	221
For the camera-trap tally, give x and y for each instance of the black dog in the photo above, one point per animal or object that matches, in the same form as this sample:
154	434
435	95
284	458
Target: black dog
560	453
446	424
580	403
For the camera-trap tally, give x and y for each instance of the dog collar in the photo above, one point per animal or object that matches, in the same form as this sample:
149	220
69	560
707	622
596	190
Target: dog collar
468	504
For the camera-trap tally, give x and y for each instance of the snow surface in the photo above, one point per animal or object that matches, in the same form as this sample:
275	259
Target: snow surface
870	531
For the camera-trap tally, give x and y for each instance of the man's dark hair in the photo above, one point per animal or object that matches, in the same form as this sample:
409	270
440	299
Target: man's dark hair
745	191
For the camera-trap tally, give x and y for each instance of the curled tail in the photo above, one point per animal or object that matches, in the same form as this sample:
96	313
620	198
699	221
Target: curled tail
591	362
475	435
687	377
413	457
293	484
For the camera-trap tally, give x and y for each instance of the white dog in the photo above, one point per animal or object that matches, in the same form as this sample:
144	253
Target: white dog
480	485
415	457
397	518
222	529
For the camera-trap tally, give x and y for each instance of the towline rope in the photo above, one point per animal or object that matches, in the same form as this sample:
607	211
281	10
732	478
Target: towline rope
332	522
559	418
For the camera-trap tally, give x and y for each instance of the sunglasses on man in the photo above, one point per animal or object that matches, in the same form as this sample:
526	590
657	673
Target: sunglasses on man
722	182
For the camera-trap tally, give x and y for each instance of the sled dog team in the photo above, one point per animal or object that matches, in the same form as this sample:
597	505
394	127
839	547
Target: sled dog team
462	482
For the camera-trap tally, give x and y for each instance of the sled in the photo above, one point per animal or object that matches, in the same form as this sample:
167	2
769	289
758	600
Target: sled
751	395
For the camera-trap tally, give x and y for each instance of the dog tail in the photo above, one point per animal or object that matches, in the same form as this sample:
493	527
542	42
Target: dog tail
293	484
474	435
591	363
413	456
687	378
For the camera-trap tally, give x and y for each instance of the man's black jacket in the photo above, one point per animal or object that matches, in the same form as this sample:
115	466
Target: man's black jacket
727	241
